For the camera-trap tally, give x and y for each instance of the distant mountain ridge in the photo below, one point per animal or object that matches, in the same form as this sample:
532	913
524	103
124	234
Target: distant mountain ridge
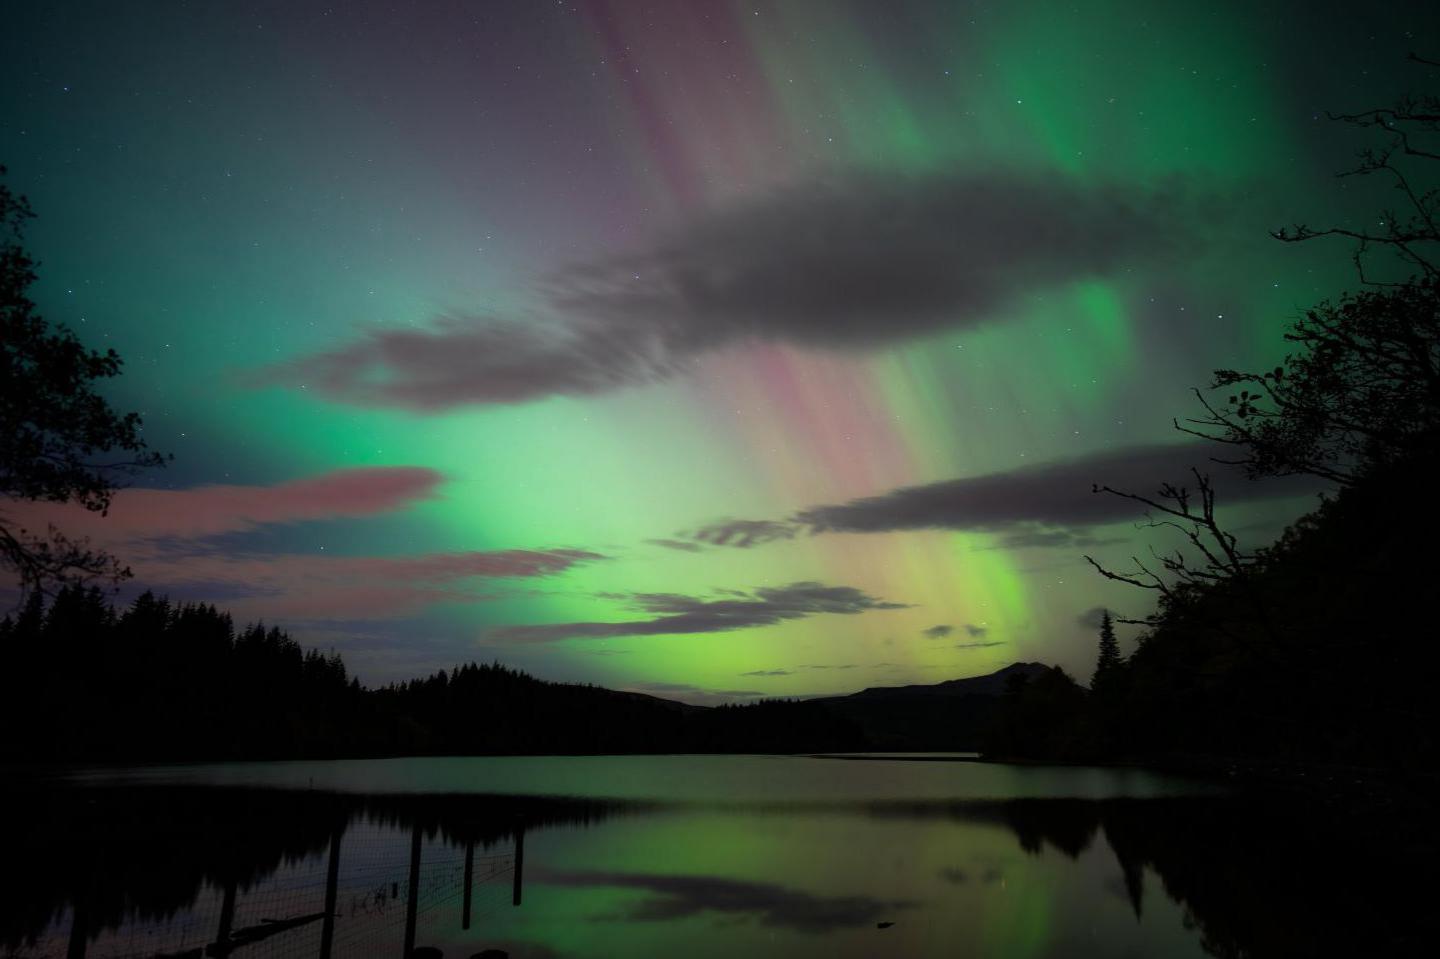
952	715
945	716
991	684
254	693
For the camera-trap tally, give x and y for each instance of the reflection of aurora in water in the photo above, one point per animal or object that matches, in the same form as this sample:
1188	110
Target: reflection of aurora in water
146	872
150	870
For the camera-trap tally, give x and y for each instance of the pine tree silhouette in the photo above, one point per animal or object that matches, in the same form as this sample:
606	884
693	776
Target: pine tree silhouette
1108	663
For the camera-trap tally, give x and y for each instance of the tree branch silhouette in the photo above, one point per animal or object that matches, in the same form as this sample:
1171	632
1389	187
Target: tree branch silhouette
1359	393
1173	575
1362	389
60	441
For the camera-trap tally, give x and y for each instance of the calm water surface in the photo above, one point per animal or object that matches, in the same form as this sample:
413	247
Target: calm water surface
687	779
693	856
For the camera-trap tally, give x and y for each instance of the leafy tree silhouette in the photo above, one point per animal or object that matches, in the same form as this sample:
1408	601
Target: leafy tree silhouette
1360	393
1283	655
60	441
1362	390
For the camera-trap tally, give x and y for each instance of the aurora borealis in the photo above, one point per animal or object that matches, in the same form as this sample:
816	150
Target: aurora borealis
716	350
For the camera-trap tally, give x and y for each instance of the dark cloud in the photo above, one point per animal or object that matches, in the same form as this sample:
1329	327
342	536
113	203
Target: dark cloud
745	533
771	905
978	645
696	695
464	360
1048	499
769	672
975	632
675	614
869	258
1091	618
676	544
842	262
939	632
1048	505
1031	536
500	563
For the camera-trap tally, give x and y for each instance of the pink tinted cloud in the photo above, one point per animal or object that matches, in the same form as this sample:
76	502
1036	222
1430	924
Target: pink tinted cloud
161	535
310	586
289	571
212	510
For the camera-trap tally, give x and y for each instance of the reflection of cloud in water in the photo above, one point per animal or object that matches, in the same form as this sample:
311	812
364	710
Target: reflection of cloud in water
152	863
959	877
680	897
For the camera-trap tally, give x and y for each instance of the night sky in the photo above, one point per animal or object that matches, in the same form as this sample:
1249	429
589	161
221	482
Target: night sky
715	350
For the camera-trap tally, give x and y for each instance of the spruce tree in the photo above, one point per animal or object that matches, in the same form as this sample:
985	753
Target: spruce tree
1107	664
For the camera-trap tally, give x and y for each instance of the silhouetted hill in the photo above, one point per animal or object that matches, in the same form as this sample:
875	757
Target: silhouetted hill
674	704
89	683
993	684
948	716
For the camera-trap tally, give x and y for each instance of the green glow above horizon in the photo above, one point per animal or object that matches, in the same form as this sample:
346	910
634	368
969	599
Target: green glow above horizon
222	198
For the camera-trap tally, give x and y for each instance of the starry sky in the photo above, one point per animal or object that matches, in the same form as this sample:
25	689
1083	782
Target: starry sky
716	349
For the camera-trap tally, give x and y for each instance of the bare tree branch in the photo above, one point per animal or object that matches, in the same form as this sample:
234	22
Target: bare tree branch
1192	514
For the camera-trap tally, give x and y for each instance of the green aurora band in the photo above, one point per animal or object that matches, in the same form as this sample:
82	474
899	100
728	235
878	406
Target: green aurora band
220	192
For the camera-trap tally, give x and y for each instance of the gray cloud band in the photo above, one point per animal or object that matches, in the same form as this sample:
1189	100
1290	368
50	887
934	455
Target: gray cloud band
1046	505
1046	501
846	262
674	614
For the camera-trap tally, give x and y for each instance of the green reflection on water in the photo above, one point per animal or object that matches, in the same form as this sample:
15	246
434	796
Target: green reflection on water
787	856
816	883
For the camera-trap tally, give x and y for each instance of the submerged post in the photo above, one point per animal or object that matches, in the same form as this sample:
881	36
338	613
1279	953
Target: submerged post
519	863
469	880
332	878
412	902
227	919
78	937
